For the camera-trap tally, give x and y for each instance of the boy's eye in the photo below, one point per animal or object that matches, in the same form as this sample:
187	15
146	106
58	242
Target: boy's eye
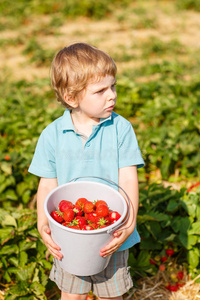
100	91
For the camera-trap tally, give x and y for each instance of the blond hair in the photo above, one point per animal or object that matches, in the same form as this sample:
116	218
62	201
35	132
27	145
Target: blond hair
75	66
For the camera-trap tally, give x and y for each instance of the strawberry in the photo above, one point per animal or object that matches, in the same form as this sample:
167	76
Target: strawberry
102	210
100	221
74	226
66	224
78	211
99	202
152	261
91	217
180	275
169	252
88	207
80	202
163	258
80	221
162	267
68	215
114	216
173	288
64	204
88	227
57	216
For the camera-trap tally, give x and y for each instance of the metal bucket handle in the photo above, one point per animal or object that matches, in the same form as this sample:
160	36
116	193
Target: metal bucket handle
112	182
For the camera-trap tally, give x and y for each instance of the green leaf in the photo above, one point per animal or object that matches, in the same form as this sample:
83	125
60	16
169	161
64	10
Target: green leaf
9	249
150	244
173	206
38	290
9	221
23	258
19	289
21	188
6	234
6	168
188	241
195	228
193	257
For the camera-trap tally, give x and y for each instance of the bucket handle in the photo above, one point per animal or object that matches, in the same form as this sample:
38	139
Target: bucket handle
112	182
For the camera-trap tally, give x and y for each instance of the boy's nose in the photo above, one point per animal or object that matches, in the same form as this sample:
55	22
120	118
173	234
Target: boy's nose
112	95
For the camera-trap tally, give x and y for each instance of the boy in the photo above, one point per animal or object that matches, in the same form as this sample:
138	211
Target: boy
88	140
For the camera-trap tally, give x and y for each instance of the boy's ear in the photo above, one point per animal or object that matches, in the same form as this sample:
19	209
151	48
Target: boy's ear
71	101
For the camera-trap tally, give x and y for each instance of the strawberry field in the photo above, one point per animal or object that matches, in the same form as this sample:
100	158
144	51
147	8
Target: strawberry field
156	47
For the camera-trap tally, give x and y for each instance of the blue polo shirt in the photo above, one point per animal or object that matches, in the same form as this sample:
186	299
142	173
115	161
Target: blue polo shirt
112	145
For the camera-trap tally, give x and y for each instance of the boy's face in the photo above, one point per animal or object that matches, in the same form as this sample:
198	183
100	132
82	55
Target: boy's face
99	98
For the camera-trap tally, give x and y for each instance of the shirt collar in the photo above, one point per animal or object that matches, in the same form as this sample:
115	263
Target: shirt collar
67	124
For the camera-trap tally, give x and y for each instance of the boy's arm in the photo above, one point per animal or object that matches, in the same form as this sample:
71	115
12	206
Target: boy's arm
128	180
46	185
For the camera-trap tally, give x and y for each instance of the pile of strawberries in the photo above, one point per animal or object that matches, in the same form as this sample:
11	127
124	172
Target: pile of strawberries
84	214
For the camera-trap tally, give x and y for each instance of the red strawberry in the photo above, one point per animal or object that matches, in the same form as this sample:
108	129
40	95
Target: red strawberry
78	211
68	215
169	252
64	204
91	217
162	267
80	221
80	202
102	210
88	227
88	207
74	226
100	221
100	202
57	216
163	258
66	224
173	288
114	216
152	261
180	275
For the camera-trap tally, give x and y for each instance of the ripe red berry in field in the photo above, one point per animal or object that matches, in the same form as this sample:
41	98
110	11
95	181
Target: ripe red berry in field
180	275
163	258
169	252
162	267
68	215
173	288
80	202
88	207
114	216
57	216
7	157
64	204
152	261
102	210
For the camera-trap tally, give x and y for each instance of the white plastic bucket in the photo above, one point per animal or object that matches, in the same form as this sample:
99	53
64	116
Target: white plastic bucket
81	248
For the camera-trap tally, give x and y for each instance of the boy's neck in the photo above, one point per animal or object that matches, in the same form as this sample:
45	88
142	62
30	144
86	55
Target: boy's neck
82	123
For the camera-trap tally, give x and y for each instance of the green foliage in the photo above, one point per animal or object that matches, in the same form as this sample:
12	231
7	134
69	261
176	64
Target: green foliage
167	218
24	114
188	4
24	269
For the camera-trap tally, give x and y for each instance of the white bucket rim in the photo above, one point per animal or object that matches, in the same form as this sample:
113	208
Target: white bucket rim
87	232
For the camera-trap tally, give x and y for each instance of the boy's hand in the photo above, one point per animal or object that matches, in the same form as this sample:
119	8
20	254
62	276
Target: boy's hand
54	249
120	236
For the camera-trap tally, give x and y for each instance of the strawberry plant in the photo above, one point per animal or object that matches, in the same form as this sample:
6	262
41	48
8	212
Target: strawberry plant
168	222
24	261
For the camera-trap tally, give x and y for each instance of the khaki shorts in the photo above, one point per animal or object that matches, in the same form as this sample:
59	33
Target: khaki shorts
115	280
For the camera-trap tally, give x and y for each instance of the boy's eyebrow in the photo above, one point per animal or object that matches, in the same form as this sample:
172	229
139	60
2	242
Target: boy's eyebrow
104	87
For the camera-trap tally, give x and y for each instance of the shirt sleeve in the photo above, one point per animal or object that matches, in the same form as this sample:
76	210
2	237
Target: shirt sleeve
129	151
43	162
